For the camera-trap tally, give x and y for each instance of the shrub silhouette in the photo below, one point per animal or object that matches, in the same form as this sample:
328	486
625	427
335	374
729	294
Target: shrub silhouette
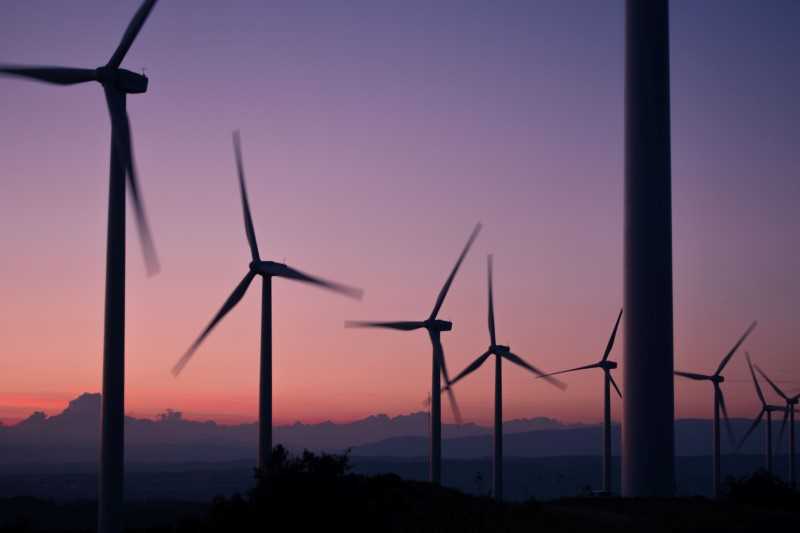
319	492
762	489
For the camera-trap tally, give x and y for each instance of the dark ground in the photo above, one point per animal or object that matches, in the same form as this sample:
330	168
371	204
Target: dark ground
539	478
321	493
389	504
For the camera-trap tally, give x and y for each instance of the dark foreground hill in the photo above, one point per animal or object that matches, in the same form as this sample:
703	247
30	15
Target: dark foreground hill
545	478
318	493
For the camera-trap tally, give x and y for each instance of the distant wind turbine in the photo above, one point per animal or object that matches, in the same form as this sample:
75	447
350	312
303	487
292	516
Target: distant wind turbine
766	409
500	352
608	380
435	327
117	84
716	380
791	402
267	270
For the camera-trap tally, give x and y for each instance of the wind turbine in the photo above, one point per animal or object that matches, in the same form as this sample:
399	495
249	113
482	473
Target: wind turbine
267	270
766	409
499	351
607	366
791	402
117	84
716	380
435	327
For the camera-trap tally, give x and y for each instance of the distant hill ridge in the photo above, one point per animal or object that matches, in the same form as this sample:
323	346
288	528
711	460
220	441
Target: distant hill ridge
72	436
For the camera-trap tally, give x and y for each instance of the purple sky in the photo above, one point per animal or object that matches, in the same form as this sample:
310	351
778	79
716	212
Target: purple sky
375	135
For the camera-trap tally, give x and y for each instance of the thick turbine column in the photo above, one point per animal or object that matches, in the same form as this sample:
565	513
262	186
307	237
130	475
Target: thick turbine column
265	378
717	451
606	431
792	467
768	440
648	433
498	428
436	418
112	428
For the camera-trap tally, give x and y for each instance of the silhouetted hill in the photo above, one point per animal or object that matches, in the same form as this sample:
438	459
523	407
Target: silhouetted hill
72	437
692	438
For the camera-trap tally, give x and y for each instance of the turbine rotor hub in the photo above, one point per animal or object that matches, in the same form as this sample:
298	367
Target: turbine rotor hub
122	79
439	325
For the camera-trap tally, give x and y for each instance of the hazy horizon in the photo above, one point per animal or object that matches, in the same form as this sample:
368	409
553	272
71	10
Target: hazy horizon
374	139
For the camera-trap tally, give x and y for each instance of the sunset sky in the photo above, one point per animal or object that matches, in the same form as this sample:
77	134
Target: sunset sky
375	135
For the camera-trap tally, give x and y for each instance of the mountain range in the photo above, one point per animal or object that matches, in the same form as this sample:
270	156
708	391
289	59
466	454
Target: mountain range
72	436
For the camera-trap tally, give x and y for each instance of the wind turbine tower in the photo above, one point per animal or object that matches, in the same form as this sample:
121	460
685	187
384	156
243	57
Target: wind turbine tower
267	270
500	352
648	447
608	381
791	405
717	379
766	410
434	326
117	84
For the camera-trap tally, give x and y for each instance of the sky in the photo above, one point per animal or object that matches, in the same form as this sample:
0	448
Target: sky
375	135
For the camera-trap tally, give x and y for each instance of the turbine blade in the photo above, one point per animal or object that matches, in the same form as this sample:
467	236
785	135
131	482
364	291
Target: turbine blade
446	287
524	364
728	425
291	273
614	383
131	32
402	326
593	365
56	75
772	384
735	347
439	354
123	145
248	218
751	429
611	339
755	381
692	375
492	334
472	367
229	304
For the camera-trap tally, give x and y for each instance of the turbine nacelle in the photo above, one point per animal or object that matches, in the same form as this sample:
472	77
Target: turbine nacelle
268	268
438	325
607	365
500	349
122	79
